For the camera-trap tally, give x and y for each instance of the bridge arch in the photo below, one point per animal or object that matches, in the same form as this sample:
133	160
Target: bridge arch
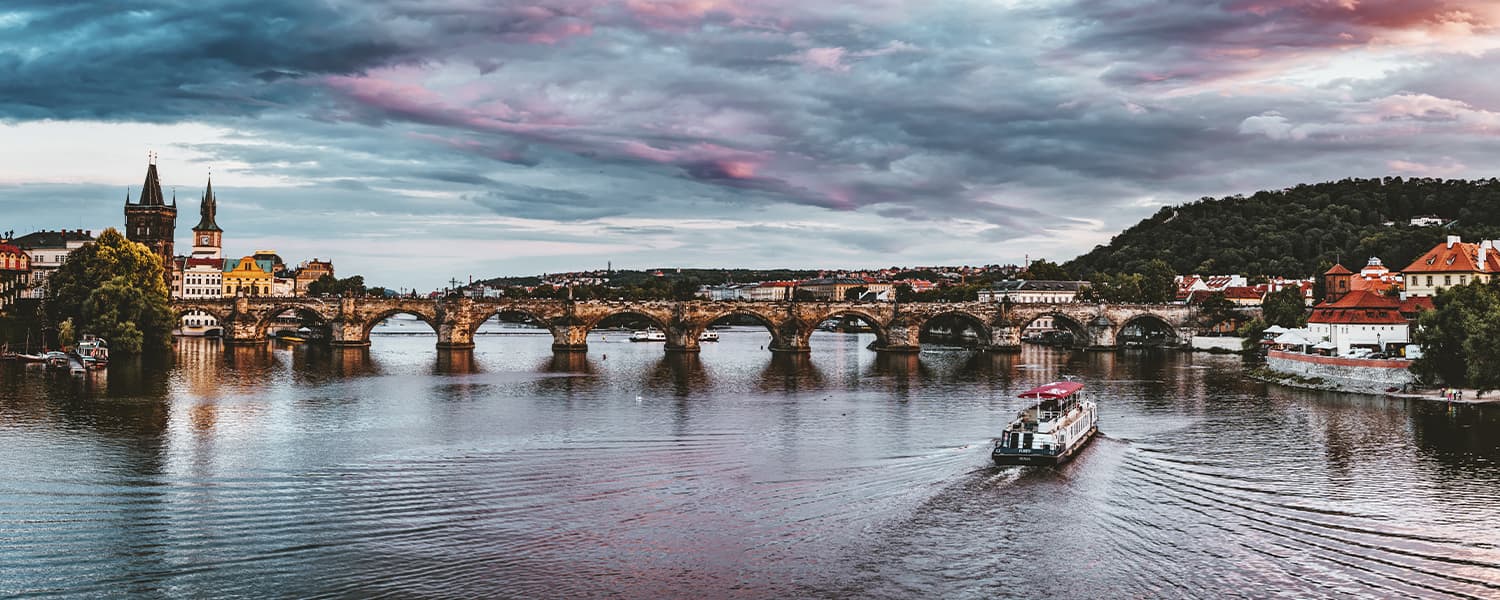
1075	325
375	318
778	330
488	312
984	330
656	321
307	311
222	314
1155	321
881	329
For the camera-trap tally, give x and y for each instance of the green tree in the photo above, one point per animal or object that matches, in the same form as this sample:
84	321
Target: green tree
1252	331
855	292
1215	309
1456	335
113	288
1285	308
1045	270
354	286
1158	282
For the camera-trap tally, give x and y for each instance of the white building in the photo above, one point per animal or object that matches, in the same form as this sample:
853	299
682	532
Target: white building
770	291
48	251
1361	319
1018	291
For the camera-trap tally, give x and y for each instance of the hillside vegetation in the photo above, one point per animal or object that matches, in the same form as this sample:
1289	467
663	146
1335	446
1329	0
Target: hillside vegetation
1303	230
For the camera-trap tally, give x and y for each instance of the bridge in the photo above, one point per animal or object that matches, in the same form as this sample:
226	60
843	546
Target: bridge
898	327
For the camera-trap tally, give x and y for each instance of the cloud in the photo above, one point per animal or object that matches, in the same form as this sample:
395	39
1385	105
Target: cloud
1030	127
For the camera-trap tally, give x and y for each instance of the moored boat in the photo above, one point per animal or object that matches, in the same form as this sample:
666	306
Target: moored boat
708	336
649	335
1052	430
92	352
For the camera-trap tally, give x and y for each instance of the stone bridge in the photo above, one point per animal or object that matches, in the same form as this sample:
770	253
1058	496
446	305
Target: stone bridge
897	326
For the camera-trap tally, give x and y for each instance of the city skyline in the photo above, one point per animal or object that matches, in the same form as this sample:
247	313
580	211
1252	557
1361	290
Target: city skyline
413	144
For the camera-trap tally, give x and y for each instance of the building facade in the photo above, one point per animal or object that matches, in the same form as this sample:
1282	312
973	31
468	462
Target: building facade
1361	319
248	277
308	272
15	274
835	288
1033	291
48	250
153	222
770	291
1374	277
1451	263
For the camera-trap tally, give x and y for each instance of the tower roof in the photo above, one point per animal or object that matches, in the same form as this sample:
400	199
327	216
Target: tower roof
209	208
151	190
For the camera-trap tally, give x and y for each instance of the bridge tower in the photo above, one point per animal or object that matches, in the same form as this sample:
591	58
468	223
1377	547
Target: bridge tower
153	222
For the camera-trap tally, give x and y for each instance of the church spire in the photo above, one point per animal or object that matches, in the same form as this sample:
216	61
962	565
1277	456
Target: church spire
151	190
209	209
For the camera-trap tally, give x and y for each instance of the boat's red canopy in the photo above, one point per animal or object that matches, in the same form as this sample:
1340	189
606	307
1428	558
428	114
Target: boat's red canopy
1053	391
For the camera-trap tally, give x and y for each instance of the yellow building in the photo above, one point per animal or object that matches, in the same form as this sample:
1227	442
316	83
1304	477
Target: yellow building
1450	264
248	277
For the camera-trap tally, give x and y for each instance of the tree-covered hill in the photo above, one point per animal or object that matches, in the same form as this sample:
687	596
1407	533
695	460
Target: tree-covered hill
1301	230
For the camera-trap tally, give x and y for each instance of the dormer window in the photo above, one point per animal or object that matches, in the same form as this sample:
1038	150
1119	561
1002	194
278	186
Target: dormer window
1431	259
1450	260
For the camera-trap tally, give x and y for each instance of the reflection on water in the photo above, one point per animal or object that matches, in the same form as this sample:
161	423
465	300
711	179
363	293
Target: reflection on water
628	471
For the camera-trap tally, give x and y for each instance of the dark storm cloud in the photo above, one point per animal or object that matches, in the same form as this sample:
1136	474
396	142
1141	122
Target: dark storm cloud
161	61
1042	120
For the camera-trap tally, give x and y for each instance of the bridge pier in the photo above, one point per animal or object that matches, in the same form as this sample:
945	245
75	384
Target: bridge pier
901	337
345	333
682	339
570	338
1005	338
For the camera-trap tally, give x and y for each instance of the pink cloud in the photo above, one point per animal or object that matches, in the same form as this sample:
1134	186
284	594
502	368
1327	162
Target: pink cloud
1446	168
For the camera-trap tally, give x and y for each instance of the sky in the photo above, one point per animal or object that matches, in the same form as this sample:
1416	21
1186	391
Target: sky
414	141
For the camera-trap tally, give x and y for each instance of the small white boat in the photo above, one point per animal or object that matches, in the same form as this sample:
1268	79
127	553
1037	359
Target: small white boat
1051	431
708	336
92	352
649	335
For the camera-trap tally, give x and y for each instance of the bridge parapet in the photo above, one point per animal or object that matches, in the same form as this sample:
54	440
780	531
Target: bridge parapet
898	327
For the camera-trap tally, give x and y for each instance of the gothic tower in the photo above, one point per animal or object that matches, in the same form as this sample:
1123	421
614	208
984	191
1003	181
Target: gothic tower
153	222
208	239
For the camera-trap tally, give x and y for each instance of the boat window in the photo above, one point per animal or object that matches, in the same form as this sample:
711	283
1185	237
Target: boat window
1026	441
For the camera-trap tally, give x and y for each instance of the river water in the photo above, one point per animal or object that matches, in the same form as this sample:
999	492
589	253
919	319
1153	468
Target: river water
305	472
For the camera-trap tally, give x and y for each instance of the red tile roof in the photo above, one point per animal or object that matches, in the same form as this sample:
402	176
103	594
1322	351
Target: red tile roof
1338	270
1416	304
1462	257
1245	292
1361	307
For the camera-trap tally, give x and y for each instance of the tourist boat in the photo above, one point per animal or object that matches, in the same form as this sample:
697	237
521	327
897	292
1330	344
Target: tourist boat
1051	431
649	335
56	361
93	352
708	336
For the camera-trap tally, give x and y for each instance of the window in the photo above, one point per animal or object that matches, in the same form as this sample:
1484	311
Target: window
1447	280
1429	280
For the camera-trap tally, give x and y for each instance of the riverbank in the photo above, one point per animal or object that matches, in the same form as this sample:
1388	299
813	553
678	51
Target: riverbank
1265	374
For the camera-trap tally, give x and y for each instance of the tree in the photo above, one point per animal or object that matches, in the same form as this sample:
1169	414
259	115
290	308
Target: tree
855	292
1457	334
1215	309
113	288
1158	282
1285	307
904	293
1045	270
326	284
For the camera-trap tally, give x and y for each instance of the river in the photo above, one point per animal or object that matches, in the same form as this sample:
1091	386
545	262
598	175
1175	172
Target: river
306	472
